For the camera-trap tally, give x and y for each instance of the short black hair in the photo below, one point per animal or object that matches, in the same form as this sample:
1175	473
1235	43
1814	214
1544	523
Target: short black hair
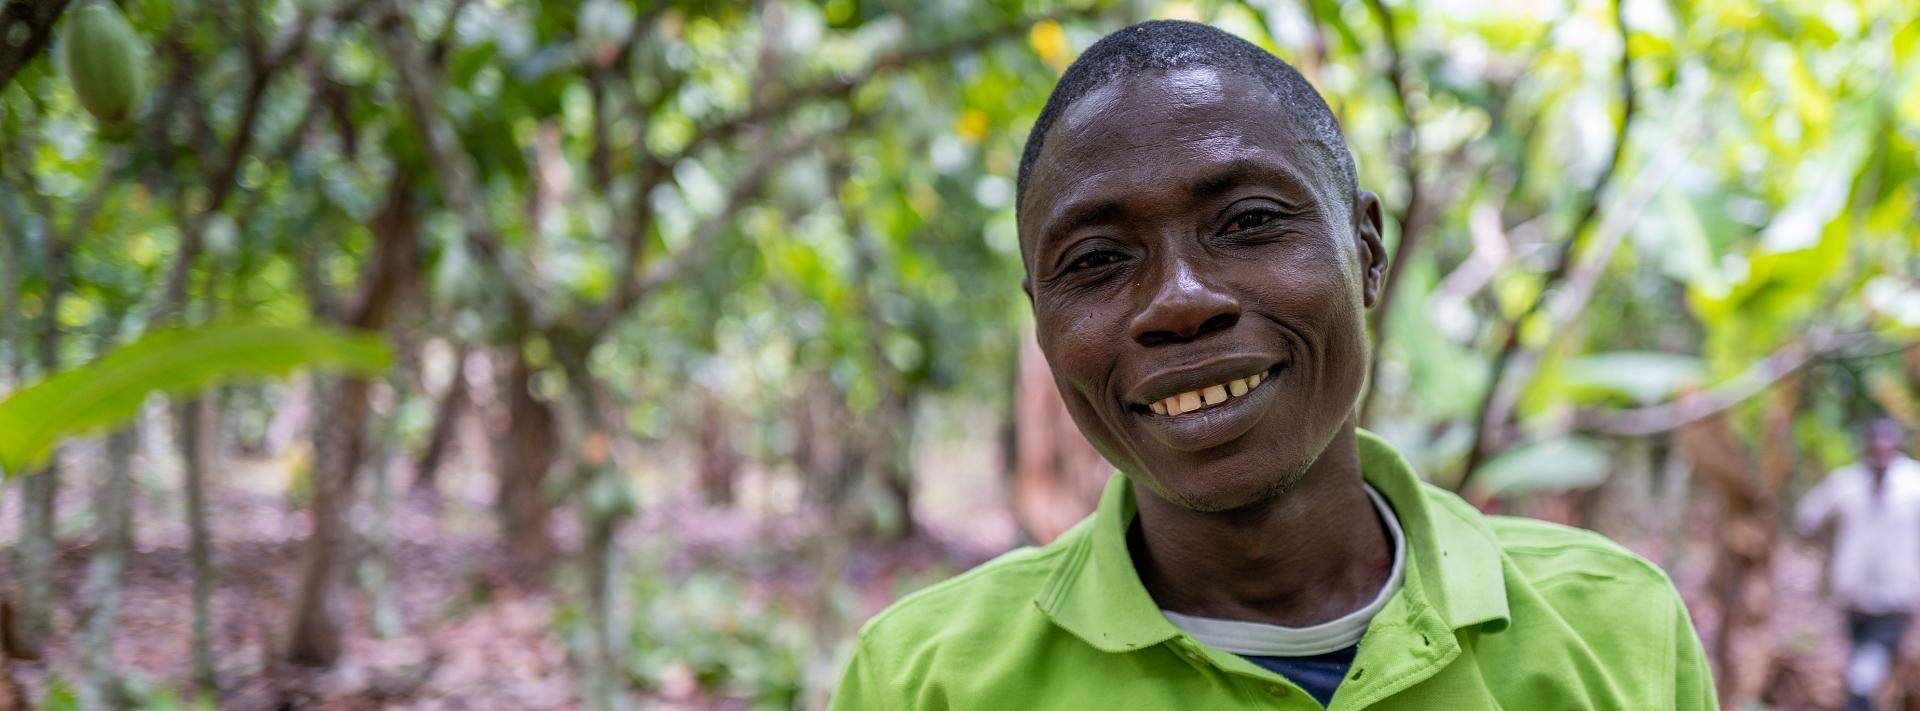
1171	45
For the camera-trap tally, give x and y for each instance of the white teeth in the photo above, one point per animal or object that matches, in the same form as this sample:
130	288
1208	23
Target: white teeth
1208	396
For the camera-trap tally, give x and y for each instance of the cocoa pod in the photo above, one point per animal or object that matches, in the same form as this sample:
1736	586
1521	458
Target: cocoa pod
105	62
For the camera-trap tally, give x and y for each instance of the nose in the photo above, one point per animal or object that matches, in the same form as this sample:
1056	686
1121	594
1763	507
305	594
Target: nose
1184	307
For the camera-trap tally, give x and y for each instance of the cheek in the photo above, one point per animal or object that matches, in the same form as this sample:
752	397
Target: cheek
1312	291
1073	340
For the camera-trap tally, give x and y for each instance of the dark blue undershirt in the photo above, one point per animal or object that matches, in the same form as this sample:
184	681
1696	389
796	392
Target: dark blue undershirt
1319	674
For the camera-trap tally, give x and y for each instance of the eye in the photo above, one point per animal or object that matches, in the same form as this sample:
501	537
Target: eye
1251	219
1094	260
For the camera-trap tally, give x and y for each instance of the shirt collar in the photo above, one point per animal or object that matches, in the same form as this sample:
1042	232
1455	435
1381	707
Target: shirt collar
1454	562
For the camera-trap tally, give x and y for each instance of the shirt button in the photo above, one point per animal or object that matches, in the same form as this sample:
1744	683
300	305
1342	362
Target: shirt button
1277	690
1195	656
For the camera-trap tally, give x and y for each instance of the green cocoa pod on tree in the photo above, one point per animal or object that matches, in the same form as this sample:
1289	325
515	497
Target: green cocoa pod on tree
105	63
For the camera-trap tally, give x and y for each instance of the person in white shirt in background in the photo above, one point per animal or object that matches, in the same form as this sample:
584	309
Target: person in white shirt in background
1874	569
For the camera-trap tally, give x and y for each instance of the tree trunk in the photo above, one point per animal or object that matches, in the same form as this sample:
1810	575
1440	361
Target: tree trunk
1057	475
1742	572
718	462
446	420
820	450
34	556
11	695
891	462
527	451
377	571
100	599
38	496
315	638
340	430
605	501
12	330
599	565
196	456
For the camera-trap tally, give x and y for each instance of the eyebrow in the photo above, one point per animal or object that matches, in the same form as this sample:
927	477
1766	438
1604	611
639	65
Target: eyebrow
1243	171
1093	213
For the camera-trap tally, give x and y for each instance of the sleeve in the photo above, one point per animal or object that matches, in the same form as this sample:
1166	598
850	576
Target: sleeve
860	688
1693	688
1817	506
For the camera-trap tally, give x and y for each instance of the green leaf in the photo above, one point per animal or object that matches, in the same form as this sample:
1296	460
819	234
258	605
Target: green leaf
36	418
1546	466
1644	376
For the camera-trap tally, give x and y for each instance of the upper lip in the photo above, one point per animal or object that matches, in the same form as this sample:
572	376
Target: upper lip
1169	382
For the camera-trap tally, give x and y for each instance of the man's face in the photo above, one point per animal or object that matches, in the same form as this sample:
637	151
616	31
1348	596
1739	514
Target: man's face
1883	444
1188	245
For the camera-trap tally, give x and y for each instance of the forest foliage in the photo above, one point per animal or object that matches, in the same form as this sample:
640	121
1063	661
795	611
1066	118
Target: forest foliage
780	235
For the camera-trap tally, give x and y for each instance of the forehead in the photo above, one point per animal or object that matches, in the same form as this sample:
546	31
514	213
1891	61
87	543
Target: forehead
1160	128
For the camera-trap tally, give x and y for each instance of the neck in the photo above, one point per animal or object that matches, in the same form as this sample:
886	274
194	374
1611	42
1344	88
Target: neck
1306	556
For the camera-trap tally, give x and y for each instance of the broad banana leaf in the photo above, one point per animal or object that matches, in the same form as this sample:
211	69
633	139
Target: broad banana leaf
1548	466
110	390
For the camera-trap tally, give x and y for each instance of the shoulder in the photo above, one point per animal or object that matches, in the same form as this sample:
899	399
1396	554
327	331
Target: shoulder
1845	475
1906	468
970	604
1606	595
937	641
1548	551
1547	556
1574	600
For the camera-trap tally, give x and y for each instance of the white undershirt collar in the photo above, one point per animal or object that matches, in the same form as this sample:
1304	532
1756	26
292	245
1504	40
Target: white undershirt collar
1264	640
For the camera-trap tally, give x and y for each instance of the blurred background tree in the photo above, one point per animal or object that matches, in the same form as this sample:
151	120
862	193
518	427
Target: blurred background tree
708	342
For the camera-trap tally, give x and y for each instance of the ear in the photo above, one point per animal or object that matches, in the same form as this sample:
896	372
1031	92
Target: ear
1372	252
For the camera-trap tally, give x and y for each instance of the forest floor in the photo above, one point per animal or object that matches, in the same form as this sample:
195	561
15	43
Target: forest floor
474	634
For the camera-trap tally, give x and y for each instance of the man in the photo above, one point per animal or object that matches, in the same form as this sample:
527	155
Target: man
1200	261
1874	507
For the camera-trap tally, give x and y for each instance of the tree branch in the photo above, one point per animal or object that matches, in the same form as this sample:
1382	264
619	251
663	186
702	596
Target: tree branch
702	242
1701	404
838	88
1412	213
1491	419
656	169
443	40
32	21
453	168
222	179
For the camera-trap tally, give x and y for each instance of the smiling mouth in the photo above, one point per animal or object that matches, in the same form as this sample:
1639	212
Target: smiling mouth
1209	396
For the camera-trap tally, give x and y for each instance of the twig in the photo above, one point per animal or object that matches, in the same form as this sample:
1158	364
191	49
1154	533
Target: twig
701	243
745	190
656	169
1490	419
221	179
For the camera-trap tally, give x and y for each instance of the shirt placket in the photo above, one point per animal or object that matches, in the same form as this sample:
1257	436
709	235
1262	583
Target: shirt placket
1401	649
1260	687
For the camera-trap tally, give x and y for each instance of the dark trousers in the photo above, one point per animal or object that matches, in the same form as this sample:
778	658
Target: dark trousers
1885	631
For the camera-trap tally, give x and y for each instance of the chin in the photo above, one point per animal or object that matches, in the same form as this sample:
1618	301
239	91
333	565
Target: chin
1226	490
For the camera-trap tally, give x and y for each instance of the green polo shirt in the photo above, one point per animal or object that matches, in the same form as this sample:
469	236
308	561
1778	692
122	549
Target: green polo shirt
1494	612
